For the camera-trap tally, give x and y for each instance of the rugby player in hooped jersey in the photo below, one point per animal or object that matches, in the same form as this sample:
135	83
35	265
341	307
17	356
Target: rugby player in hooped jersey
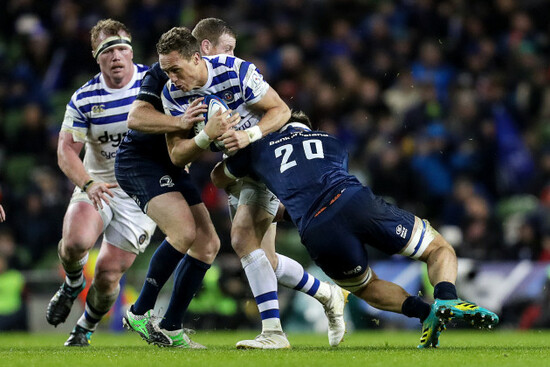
95	118
141	182
261	110
336	216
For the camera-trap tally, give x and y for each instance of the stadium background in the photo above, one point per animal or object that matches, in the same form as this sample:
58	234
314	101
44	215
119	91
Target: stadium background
444	106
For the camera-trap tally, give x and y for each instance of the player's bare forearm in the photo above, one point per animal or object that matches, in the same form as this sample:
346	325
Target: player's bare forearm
275	115
182	150
274	119
276	112
145	118
69	161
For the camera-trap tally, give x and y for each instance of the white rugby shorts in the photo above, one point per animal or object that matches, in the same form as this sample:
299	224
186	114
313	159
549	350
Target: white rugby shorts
250	192
124	224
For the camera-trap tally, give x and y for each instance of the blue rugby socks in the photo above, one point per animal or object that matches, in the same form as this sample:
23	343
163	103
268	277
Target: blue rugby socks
187	281
163	262
414	306
445	290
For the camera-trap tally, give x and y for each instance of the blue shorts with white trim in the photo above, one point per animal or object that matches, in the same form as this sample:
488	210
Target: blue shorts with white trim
336	237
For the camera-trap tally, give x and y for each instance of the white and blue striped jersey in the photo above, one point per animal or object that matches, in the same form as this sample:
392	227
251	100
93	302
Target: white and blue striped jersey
238	82
96	115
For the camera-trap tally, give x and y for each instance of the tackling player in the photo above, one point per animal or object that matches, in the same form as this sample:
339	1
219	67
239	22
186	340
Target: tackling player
336	215
95	118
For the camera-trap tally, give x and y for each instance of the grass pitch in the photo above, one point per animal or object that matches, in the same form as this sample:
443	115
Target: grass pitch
365	348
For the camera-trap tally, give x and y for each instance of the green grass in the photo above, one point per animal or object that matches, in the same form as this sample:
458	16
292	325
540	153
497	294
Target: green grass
366	348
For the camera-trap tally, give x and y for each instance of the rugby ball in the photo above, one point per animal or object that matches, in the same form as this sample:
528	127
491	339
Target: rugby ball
214	104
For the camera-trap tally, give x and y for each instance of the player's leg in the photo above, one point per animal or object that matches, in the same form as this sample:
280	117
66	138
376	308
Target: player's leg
127	234
173	216
162	203
169	211
292	274
188	277
112	263
82	225
441	261
249	226
336	238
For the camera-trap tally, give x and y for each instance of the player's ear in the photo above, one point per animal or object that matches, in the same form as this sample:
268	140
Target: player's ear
206	46
197	58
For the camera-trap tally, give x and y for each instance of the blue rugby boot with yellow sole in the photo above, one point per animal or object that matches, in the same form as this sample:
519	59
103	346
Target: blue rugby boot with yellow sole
473	314
432	327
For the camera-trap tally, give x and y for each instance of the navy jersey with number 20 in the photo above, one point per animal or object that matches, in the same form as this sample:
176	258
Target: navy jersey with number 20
335	214
303	168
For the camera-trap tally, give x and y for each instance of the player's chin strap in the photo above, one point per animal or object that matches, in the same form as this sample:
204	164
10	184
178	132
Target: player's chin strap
110	43
297	125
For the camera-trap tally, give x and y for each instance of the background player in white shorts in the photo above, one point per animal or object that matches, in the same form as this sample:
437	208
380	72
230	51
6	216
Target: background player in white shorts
96	119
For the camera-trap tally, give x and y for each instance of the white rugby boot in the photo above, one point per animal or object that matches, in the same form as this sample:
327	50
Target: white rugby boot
266	340
334	309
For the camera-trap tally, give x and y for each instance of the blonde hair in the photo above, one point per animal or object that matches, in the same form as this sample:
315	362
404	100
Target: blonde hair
109	27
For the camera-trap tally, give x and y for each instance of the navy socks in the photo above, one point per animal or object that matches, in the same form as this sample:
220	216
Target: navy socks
165	259
187	281
445	290
415	306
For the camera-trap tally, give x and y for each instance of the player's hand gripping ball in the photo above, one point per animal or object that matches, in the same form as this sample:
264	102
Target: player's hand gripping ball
214	104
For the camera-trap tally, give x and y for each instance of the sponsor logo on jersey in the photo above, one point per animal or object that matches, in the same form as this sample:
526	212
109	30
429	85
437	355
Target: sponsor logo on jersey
401	231
116	139
98	108
354	271
166	181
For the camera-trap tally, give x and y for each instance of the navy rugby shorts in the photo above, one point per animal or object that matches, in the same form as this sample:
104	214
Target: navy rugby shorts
336	237
143	178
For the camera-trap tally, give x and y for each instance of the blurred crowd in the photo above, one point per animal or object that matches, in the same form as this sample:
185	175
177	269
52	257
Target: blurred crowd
444	105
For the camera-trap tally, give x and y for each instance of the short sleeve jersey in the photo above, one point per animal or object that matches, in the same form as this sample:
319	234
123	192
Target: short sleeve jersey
239	83
305	169
96	116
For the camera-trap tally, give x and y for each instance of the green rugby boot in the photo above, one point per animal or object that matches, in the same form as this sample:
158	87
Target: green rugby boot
432	327
147	327
473	314
180	339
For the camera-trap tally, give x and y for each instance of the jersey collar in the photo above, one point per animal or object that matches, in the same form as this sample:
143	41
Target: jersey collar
297	125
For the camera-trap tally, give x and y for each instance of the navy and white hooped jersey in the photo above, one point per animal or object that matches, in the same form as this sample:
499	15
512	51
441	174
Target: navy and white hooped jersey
96	115
239	83
304	169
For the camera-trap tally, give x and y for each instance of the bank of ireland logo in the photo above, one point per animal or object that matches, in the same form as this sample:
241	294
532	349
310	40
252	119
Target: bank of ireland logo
166	181
401	231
